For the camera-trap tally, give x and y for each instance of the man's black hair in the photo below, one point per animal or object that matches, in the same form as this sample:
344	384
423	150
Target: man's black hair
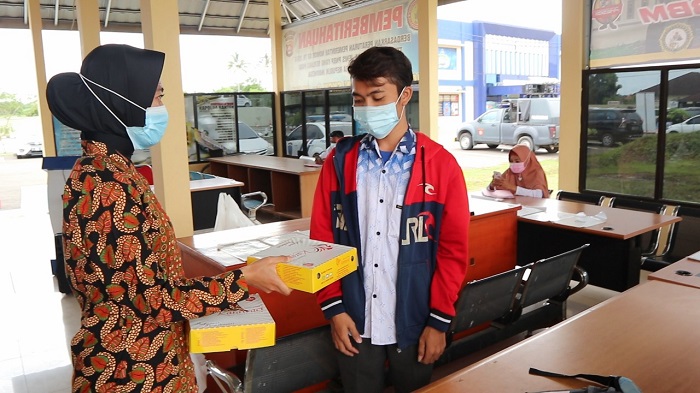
337	134
382	61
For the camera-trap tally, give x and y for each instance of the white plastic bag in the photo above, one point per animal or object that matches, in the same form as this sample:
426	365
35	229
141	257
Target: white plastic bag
200	370
229	215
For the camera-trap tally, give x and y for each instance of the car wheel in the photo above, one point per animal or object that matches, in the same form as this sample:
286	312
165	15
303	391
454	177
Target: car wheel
527	141
247	104
608	140
492	146
465	141
552	149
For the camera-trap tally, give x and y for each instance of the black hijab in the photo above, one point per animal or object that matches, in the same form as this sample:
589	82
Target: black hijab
134	73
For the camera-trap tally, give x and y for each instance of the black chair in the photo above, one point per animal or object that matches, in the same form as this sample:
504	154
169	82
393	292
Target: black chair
682	240
546	288
650	241
294	362
491	299
594	199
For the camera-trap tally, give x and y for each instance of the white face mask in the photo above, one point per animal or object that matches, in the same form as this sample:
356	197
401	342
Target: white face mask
141	137
378	121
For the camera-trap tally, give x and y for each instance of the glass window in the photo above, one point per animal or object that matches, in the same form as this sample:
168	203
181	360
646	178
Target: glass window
491	117
621	132
682	148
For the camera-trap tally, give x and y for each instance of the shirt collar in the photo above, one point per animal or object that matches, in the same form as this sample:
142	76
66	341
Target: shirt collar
407	144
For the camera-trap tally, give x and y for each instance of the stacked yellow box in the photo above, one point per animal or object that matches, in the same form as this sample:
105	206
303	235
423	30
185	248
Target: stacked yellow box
247	326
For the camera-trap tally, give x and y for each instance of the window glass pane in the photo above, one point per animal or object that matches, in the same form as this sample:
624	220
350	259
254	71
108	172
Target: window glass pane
292	120
682	150
255	110
620	131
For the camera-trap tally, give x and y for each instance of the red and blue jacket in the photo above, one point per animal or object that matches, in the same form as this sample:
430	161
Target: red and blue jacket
433	248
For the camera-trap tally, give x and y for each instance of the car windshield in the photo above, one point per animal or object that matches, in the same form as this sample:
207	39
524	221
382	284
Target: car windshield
245	132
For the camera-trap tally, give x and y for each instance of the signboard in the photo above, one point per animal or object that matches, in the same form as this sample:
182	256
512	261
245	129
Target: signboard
317	53
67	140
626	32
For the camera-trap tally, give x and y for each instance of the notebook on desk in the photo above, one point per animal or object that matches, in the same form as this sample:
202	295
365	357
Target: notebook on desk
695	256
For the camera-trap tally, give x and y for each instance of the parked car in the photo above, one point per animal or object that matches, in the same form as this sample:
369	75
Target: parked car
242	100
315	137
30	149
525	121
614	125
211	137
690	125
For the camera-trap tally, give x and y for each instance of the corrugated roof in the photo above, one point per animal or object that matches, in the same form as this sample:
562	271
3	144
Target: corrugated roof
231	17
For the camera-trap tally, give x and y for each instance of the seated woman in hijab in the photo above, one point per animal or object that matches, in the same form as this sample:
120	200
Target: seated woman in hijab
524	177
122	258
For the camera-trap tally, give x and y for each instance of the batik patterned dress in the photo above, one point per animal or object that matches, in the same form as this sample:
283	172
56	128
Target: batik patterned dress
125	270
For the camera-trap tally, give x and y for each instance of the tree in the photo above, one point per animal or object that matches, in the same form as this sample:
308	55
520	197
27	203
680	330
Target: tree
11	106
602	88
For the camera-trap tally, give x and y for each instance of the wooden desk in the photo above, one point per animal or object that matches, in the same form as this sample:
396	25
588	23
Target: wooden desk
648	334
689	269
614	258
289	185
205	196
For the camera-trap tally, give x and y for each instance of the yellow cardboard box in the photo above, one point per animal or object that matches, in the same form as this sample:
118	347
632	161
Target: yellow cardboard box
248	325
314	264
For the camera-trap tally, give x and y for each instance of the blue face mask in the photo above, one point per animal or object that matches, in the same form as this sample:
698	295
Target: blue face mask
154	129
141	137
378	121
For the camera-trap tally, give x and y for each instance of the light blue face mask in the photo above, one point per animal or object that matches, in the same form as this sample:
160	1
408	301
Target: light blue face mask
378	121
141	137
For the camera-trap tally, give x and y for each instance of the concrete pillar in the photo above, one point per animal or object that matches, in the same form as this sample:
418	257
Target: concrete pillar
161	31
88	15
277	51
428	67
34	13
572	63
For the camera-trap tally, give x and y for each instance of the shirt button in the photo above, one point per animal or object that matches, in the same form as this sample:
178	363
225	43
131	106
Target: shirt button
374	296
376	265
383	170
381	201
378	233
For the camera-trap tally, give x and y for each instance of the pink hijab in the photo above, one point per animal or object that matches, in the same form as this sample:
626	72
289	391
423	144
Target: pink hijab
533	177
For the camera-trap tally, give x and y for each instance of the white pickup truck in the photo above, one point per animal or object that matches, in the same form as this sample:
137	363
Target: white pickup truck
525	121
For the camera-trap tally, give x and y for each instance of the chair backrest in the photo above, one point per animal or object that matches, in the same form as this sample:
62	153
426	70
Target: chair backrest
294	362
549	278
650	240
487	299
684	237
146	171
578	197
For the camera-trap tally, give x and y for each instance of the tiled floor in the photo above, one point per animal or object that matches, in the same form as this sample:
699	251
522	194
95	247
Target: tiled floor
34	339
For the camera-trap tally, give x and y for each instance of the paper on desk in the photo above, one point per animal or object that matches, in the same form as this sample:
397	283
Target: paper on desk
581	220
695	256
529	210
235	253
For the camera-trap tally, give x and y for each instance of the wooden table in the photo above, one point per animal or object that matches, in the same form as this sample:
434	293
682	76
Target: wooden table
684	272
648	334
288	183
613	259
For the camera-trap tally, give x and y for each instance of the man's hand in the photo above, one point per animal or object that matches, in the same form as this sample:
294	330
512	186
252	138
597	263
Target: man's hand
343	330
430	345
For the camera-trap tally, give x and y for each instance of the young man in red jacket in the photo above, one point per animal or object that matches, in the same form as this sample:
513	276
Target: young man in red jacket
400	198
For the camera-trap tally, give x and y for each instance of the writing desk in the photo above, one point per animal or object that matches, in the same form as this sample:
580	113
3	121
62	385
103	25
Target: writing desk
613	259
689	270
288	183
648	334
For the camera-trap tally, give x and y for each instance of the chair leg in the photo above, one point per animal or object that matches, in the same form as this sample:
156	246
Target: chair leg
227	381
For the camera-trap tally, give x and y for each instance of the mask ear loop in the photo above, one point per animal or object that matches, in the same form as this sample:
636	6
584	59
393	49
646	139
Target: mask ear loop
102	102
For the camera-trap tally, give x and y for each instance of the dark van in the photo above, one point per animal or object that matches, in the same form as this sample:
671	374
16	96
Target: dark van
613	125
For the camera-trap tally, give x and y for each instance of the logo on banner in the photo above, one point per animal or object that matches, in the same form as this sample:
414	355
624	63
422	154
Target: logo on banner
412	15
676	37
606	12
289	43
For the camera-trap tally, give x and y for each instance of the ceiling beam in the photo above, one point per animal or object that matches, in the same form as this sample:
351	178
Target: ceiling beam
26	12
107	11
55	15
312	7
289	8
243	11
340	6
204	14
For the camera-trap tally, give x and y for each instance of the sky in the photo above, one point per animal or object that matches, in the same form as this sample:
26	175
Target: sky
206	70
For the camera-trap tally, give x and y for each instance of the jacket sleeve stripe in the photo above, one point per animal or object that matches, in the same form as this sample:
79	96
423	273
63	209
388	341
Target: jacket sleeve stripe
440	318
332	302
